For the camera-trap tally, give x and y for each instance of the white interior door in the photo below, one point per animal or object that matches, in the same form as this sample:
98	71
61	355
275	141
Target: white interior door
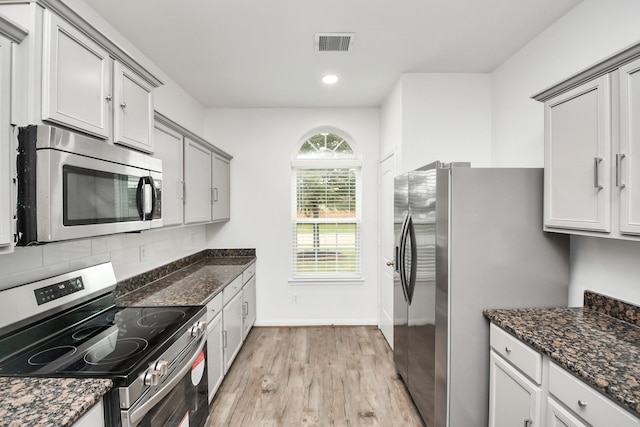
387	170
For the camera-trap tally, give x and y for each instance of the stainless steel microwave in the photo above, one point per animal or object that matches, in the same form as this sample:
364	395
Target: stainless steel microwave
73	186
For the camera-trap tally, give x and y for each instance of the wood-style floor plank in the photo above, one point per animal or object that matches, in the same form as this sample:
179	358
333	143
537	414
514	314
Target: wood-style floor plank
313	377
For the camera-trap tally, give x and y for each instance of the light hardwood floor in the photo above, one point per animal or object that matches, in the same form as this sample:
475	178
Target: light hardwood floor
313	377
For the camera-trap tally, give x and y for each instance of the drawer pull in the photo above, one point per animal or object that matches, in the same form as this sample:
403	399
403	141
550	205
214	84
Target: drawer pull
582	403
508	350
527	423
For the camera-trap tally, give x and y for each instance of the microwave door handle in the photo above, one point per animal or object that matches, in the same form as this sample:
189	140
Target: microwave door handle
149	198
154	197
140	198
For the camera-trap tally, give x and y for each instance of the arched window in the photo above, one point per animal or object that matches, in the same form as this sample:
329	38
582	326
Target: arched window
326	207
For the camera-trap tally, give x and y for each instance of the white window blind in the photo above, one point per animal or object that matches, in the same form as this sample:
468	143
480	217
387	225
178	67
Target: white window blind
326	226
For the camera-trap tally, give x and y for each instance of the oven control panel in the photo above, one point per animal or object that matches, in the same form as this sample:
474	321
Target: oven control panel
58	290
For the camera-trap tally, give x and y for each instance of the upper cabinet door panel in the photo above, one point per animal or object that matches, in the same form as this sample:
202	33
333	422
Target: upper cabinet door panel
133	115
168	148
221	203
76	78
577	158
197	177
628	156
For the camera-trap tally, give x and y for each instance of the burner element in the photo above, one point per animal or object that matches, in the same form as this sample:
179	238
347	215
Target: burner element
51	354
87	332
109	352
161	318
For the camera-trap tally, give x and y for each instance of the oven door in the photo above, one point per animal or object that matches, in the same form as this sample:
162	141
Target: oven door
181	401
79	196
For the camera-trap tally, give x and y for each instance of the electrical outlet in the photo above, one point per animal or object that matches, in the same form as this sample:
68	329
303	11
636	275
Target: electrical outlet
294	298
143	253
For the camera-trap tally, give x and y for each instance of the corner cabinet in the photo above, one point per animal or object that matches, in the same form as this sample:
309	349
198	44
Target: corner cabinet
592	150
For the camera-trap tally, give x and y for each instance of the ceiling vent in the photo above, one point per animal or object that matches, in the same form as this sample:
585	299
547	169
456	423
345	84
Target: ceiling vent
334	42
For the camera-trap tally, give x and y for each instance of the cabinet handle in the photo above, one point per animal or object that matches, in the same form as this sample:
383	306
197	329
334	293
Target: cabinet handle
180	189
582	403
215	194
596	178
619	158
108	98
527	423
123	105
508	350
224	339
245	310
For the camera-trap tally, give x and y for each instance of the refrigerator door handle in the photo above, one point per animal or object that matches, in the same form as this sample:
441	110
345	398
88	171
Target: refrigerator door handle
401	260
411	285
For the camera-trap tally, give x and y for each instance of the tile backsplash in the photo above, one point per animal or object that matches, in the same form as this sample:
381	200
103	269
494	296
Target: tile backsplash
130	253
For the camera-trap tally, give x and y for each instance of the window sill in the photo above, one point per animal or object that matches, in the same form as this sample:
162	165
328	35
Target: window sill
296	281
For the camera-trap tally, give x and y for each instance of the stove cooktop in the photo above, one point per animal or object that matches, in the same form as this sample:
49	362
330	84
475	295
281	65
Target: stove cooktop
94	341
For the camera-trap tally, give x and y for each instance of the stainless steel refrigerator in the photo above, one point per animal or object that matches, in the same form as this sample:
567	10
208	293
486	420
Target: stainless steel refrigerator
466	239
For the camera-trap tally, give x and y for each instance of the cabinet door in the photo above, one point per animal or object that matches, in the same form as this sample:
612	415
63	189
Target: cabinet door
221	189
76	77
94	417
577	187
628	157
557	416
513	400
133	105
168	148
214	355
232	335
197	178
248	306
5	145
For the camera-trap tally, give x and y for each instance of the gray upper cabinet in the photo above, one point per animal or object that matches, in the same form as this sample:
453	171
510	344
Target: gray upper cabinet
197	177
10	34
628	155
592	150
221	200
76	78
577	157
133	109
70	74
169	149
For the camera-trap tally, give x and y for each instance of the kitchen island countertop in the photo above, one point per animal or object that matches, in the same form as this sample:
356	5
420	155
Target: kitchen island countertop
599	343
48	402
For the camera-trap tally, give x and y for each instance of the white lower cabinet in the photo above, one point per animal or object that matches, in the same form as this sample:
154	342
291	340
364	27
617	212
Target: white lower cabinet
514	400
214	355
248	306
93	418
232	334
557	416
520	393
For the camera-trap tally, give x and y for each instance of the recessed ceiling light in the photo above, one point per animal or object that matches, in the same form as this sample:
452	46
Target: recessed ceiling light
330	79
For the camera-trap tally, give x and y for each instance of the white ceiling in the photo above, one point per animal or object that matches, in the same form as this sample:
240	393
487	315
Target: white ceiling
260	53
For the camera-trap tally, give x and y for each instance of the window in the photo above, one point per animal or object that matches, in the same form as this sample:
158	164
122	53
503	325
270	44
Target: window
326	209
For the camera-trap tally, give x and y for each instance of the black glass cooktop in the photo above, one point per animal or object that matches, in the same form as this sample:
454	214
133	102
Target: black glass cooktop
96	340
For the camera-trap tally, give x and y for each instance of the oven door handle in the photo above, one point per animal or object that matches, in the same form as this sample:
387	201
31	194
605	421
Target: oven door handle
136	415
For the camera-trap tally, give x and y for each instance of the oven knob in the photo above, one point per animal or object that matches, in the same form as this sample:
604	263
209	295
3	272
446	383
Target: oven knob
202	326
151	378
198	329
162	367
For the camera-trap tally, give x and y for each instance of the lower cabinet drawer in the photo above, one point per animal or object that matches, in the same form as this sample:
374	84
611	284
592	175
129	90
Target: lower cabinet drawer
528	360
586	402
231	290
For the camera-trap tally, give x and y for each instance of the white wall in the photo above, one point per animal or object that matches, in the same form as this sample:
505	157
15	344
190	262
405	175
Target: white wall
590	32
262	142
444	117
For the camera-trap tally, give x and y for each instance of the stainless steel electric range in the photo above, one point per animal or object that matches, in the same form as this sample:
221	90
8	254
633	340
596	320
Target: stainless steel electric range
69	326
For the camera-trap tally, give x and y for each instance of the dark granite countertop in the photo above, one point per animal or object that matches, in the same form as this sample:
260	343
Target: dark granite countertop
48	402
195	284
602	350
193	280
